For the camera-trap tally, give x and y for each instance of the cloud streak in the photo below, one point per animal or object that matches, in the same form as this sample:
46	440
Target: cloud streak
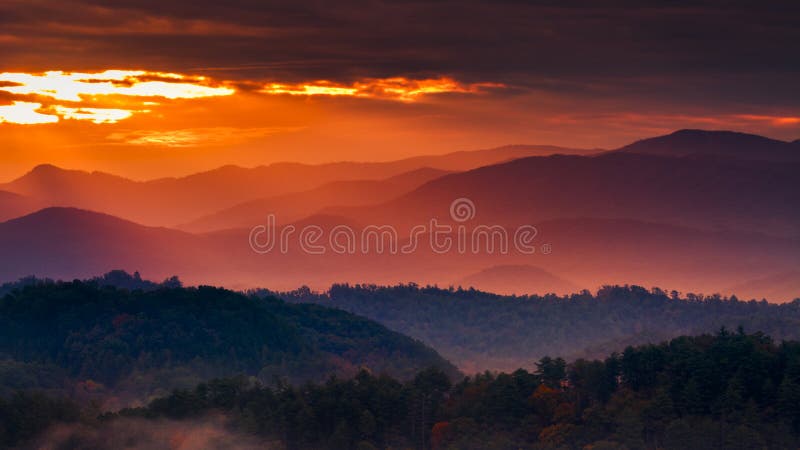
77	86
89	96
197	136
81	90
397	88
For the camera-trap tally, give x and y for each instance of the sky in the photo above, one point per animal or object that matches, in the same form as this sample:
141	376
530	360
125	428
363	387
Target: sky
149	88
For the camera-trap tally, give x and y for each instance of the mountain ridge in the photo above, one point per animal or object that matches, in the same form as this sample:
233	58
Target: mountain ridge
173	200
721	143
68	243
130	343
296	205
611	185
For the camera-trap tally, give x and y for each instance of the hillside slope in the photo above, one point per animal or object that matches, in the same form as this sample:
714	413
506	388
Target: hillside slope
139	342
70	243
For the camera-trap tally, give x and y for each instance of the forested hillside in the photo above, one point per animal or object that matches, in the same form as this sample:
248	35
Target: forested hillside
730	390
478	330
82	337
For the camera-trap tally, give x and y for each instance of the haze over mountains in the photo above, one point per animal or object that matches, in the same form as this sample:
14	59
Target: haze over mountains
67	243
699	192
298	205
14	205
510	279
170	201
694	210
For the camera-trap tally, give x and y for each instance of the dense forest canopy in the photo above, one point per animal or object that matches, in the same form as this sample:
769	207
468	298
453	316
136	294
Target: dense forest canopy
116	278
478	330
729	390
74	354
104	339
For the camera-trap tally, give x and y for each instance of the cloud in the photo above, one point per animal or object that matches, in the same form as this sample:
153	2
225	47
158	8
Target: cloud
466	38
110	96
76	86
84	94
95	115
25	113
740	48
611	71
397	88
192	137
773	120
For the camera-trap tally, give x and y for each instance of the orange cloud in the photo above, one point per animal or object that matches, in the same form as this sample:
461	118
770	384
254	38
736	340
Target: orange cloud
398	88
77	86
86	92
111	96
774	120
25	113
191	137
96	115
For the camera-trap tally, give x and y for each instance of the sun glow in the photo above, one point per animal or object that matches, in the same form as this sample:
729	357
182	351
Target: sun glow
77	86
25	113
96	115
102	97
110	96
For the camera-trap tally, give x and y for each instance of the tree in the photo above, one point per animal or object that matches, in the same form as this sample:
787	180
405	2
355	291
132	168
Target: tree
551	372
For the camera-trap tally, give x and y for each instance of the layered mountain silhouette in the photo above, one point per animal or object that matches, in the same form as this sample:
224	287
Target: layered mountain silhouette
69	243
466	160
291	207
675	211
14	205
170	201
698	192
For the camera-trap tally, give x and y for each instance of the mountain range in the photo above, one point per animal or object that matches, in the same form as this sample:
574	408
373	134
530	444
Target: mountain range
298	205
694	210
478	330
171	201
704	193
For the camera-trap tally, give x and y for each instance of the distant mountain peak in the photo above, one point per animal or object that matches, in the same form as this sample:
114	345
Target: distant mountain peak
51	181
702	132
46	168
60	214
717	143
714	135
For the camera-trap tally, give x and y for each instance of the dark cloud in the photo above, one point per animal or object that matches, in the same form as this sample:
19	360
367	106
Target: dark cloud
478	39
732	53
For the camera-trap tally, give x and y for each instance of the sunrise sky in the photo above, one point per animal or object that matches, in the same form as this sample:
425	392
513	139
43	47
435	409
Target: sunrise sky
151	88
